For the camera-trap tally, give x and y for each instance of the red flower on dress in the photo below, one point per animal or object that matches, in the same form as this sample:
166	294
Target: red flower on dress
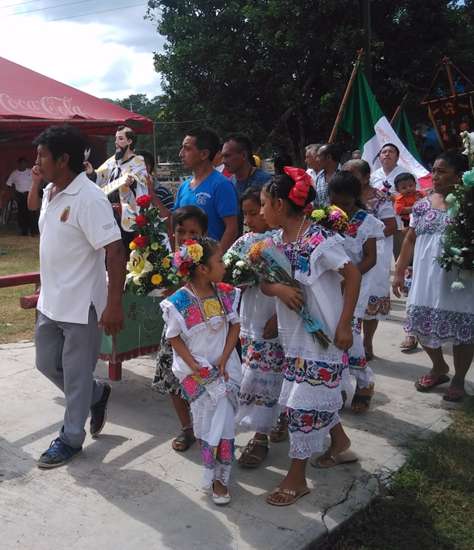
325	375
144	201
204	372
141	220
141	241
225	287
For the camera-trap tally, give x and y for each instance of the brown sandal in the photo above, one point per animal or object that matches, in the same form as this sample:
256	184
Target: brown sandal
280	431
184	440
290	496
250	457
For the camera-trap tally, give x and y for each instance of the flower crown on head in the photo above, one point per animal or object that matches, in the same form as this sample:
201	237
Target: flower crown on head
303	183
189	253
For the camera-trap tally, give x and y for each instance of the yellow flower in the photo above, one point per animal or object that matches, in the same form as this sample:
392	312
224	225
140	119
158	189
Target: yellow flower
132	246
156	279
154	246
166	262
195	251
318	215
138	266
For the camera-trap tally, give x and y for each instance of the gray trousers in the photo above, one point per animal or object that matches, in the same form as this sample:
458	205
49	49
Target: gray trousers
67	353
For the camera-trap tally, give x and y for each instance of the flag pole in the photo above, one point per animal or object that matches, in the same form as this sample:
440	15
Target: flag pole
398	109
332	137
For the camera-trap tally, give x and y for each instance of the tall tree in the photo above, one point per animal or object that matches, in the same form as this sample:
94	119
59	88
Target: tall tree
277	69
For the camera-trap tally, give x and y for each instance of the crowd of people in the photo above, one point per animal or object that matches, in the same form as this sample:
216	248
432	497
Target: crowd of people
234	357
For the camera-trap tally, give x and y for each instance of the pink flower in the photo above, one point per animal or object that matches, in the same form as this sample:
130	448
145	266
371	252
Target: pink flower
193	316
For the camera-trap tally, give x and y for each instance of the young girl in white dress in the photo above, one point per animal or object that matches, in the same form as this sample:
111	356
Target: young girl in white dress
203	328
436	313
311	387
262	355
360	244
379	205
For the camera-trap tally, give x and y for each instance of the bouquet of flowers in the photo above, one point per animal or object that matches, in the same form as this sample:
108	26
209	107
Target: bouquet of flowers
148	269
238	270
273	266
331	217
458	240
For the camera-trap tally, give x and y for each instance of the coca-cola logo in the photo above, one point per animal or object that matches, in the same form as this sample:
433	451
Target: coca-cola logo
54	107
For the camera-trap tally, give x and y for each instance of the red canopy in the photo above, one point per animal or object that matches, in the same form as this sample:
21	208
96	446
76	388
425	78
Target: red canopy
29	102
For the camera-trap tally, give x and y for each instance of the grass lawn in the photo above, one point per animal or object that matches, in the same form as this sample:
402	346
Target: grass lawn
17	255
430	505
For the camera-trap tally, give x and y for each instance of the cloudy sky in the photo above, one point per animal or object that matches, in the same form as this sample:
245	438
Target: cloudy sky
103	47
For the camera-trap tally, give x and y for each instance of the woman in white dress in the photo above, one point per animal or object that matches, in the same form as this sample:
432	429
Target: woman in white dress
202	325
360	244
379	205
436	313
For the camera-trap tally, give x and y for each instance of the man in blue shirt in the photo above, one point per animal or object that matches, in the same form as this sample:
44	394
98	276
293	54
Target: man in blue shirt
237	154
207	188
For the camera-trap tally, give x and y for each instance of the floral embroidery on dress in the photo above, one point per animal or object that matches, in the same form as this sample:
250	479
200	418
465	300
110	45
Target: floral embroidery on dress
428	220
164	381
299	253
187	304
314	373
262	355
223	453
440	325
378	305
193	385
355	222
308	421
379	199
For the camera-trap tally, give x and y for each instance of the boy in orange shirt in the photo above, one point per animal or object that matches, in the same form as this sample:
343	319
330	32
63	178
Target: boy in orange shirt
407	195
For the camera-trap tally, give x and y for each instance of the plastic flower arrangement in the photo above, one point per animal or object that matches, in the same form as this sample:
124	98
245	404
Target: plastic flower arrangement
273	266
149	266
331	217
458	239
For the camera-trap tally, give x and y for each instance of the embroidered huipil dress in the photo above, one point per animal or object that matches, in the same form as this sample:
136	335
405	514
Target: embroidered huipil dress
263	360
378	303
311	390
203	327
436	314
362	226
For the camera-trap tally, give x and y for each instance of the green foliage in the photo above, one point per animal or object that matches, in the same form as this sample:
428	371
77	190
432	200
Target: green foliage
277	69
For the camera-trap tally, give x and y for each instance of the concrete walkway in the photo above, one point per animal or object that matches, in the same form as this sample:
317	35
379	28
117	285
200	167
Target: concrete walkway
129	490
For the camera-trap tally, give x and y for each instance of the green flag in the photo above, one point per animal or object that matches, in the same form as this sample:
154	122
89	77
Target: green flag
364	120
404	132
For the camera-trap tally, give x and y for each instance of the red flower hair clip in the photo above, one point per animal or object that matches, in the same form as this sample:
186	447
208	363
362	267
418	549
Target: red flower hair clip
303	182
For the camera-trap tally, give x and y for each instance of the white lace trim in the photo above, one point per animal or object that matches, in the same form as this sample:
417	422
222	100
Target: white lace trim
303	445
364	377
258	418
305	397
266	384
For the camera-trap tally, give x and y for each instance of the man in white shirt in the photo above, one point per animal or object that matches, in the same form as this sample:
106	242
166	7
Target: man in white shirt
20	181
79	237
312	161
383	178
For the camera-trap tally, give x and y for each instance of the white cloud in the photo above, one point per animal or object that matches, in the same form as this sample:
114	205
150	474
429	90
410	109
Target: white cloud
98	57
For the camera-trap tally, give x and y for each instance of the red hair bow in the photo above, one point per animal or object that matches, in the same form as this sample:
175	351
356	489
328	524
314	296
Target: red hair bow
300	190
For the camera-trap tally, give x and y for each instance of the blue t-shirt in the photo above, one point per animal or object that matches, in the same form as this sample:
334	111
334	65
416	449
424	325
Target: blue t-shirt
258	179
215	195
